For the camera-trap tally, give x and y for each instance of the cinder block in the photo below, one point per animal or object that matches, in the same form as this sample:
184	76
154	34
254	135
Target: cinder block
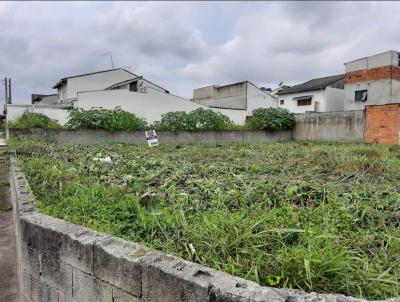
121	296
88	288
170	279
67	242
43	292
56	273
117	262
30	260
226	288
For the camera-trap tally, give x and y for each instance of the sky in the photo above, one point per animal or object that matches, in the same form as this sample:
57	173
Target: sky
186	45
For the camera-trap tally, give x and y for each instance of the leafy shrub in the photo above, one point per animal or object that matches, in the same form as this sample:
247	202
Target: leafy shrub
271	119
99	118
33	120
177	120
206	119
199	119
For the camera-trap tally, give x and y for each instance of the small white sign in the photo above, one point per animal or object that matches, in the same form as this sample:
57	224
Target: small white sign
151	137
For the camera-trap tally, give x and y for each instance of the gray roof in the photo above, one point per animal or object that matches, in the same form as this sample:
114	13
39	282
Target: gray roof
64	80
314	84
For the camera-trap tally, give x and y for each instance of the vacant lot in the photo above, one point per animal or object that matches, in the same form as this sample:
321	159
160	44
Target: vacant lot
314	216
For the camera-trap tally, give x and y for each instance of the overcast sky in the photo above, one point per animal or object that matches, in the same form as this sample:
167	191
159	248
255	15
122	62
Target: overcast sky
182	46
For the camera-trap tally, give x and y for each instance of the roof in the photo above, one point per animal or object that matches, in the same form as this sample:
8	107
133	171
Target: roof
237	83
39	97
314	84
63	80
132	80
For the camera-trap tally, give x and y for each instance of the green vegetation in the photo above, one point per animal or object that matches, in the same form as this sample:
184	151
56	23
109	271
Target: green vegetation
314	216
199	119
33	120
271	119
110	120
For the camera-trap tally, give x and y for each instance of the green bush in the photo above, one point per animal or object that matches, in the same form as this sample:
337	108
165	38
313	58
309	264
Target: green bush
33	120
206	119
199	119
177	120
99	118
271	119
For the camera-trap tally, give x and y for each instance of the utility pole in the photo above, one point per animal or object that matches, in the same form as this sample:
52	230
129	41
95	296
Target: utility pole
6	90
111	58
9	91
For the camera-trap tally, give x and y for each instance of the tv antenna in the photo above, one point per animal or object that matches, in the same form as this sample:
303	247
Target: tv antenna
111	58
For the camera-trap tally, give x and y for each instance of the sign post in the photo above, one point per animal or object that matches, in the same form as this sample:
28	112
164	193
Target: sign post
151	137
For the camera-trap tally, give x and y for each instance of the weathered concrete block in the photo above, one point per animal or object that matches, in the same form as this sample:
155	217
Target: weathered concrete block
121	296
117	262
226	288
170	279
30	260
88	288
42	292
56	273
67	242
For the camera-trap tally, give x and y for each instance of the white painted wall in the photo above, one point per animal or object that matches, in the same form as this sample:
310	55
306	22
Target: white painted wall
96	81
257	98
291	103
59	114
334	99
149	106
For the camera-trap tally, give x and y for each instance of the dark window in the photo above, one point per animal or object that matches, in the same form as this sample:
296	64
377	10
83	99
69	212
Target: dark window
304	102
282	102
398	63
361	95
133	86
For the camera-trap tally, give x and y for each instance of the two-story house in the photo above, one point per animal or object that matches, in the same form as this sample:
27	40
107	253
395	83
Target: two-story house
372	80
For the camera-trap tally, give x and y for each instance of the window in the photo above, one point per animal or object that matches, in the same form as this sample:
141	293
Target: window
133	86
398	56
304	102
282	102
361	95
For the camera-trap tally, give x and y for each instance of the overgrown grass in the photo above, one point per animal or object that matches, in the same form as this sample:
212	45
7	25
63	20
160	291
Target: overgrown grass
314	216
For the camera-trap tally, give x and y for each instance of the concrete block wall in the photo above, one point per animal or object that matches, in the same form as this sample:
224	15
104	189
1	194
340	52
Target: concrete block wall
330	126
96	136
62	262
383	124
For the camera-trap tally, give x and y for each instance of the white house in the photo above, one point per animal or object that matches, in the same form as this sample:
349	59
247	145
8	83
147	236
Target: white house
116	87
318	95
243	96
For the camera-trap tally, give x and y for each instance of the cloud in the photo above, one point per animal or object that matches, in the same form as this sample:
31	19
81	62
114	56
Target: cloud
294	42
182	46
155	30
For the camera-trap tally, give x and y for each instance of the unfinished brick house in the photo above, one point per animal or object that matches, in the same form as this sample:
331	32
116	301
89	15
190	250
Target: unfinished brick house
373	80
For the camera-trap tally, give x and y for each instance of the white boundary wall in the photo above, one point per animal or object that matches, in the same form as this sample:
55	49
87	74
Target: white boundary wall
54	112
